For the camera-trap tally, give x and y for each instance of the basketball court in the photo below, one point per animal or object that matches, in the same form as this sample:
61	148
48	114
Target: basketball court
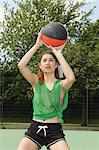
77	140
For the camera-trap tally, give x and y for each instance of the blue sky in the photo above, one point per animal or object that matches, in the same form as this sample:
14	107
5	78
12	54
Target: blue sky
93	3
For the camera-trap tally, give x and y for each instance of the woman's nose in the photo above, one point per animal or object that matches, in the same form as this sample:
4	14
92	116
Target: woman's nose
47	62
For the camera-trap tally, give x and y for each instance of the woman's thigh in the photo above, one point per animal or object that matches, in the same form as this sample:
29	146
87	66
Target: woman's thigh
60	145
27	144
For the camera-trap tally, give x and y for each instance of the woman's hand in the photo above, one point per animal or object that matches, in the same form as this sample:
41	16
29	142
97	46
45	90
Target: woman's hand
57	50
39	40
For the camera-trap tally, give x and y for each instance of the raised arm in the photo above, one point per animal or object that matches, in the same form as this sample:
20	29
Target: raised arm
69	74
22	65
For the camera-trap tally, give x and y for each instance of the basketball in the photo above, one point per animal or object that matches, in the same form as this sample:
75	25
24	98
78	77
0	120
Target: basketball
54	34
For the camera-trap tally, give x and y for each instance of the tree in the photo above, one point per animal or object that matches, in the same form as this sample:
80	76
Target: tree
21	25
84	56
90	43
86	65
19	33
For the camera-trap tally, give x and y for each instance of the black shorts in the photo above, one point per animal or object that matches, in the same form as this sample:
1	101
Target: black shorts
45	133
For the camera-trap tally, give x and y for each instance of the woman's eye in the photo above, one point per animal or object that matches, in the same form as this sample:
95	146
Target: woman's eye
51	59
44	60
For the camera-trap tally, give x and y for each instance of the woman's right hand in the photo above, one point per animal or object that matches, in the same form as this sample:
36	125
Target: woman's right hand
39	40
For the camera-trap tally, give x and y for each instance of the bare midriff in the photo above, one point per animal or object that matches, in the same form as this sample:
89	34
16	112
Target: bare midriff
52	120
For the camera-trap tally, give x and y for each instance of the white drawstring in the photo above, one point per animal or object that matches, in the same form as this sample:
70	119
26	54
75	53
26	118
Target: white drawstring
44	129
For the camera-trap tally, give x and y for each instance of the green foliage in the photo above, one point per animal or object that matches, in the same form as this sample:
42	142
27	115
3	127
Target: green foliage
21	25
89	53
20	29
14	87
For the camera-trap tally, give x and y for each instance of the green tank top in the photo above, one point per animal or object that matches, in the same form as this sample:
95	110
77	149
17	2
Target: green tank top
46	103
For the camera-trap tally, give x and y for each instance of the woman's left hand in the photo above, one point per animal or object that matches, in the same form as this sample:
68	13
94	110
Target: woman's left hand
57	49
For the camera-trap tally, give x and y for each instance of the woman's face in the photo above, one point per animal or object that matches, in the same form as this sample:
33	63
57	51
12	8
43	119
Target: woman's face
48	63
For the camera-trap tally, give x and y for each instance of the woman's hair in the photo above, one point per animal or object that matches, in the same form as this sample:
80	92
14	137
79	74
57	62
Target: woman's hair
40	73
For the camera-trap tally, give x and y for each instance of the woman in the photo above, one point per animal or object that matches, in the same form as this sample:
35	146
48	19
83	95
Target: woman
50	99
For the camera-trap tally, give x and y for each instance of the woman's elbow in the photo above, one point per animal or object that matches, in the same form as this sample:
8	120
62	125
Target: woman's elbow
71	80
21	65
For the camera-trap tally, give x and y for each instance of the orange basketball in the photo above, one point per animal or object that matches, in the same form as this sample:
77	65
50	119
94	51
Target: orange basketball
54	34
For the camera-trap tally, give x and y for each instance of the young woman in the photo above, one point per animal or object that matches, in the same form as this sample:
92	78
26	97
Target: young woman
49	101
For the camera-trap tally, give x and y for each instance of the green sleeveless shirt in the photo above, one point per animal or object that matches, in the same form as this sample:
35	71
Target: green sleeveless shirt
46	103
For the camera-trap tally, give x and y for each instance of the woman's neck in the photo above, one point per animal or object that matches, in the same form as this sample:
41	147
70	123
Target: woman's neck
49	78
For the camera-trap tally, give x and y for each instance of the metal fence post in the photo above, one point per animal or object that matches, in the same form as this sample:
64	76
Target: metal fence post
87	99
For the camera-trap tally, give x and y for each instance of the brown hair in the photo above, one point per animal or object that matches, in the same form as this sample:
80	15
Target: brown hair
40	73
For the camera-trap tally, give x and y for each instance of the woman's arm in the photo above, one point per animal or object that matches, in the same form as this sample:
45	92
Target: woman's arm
69	74
22	65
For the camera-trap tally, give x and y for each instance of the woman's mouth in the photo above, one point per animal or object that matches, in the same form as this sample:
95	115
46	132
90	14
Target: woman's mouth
48	67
